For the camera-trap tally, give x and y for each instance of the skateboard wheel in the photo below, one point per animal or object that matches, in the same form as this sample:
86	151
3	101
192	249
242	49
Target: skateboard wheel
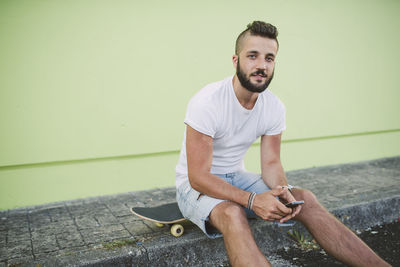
159	225
177	230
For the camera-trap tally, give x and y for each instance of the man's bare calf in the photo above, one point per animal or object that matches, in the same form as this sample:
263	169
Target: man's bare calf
334	237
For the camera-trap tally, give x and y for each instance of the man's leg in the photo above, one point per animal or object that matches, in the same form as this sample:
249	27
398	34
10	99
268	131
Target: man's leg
334	237
230	219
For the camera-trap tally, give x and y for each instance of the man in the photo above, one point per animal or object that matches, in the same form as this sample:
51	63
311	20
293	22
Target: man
213	189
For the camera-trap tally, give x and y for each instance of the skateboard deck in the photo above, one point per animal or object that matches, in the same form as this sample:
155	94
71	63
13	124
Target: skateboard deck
167	214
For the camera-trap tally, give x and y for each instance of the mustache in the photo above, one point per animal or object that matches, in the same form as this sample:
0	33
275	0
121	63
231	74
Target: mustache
259	73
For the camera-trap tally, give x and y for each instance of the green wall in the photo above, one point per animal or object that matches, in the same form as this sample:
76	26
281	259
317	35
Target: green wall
93	93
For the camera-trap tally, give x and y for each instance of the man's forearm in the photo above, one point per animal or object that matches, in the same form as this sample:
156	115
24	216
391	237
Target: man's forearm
211	185
273	174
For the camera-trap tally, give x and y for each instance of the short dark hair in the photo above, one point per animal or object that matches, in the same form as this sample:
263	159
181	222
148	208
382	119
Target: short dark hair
257	28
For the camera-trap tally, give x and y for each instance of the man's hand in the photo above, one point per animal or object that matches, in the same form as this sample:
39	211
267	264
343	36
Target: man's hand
268	207
287	197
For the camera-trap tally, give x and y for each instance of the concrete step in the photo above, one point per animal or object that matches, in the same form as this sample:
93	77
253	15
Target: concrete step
101	231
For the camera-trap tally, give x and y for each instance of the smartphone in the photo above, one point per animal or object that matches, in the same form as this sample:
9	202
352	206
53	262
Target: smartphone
294	204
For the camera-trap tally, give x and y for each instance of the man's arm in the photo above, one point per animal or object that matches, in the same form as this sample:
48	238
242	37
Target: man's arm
271	168
199	149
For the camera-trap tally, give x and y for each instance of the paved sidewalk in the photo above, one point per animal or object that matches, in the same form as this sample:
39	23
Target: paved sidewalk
101	231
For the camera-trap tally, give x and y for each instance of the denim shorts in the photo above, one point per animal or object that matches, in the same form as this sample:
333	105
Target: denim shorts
197	208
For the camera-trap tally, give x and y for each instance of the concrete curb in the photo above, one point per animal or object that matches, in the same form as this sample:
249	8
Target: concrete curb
198	250
101	231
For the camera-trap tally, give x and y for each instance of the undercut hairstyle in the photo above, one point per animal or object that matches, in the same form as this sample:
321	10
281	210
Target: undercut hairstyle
257	28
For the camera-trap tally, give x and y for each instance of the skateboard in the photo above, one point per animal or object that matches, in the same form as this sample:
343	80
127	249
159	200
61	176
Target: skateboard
167	214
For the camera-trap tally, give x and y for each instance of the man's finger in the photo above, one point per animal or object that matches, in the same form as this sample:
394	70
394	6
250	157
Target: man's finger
273	217
296	210
286	218
279	191
282	208
279	212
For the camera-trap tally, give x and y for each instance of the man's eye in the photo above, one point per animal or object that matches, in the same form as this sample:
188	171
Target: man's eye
270	59
252	56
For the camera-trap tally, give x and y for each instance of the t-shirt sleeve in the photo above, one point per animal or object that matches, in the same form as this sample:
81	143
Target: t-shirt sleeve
201	116
278	119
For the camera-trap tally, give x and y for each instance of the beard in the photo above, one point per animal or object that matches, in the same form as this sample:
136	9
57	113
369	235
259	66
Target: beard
246	83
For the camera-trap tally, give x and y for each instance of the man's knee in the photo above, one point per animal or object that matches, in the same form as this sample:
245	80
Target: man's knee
228	211
306	195
311	203
228	215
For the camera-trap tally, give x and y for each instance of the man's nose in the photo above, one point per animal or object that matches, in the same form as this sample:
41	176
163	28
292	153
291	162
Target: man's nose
262	65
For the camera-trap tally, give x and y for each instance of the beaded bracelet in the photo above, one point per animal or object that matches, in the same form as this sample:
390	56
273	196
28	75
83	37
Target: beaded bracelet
251	200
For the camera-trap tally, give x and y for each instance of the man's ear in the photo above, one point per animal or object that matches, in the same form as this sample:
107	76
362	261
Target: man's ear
235	59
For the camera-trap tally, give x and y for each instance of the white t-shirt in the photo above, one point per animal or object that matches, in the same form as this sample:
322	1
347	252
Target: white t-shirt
216	112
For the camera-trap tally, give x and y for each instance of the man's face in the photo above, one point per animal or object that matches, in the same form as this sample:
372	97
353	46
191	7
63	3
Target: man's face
256	62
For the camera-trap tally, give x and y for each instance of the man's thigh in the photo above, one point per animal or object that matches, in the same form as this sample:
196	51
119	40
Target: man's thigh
197	208
249	181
